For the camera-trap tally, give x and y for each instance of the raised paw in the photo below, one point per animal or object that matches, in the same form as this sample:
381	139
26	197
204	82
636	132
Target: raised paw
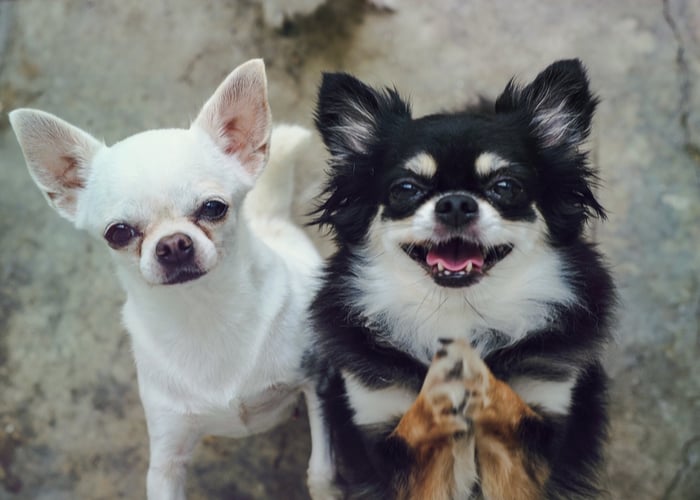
454	390
459	377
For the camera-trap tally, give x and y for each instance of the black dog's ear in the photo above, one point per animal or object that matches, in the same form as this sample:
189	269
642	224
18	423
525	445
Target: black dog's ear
349	113
559	103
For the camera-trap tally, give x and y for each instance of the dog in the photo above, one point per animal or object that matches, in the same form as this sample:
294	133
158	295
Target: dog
218	279
462	320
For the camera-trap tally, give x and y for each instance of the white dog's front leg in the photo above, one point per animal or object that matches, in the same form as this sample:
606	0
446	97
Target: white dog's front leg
172	442
321	471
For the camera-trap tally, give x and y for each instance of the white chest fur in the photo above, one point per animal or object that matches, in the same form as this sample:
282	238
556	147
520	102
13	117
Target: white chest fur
224	350
516	297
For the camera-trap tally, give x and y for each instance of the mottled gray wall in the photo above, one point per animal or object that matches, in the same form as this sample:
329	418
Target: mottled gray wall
70	421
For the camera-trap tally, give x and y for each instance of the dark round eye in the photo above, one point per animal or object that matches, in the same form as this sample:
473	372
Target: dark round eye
212	210
120	235
405	192
506	190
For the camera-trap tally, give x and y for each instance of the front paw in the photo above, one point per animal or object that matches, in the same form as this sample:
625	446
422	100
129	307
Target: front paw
323	488
456	385
454	391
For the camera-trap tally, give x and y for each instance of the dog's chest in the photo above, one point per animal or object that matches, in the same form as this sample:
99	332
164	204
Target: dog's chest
249	413
249	404
231	385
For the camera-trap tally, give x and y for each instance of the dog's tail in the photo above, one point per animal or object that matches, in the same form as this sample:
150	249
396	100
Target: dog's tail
273	193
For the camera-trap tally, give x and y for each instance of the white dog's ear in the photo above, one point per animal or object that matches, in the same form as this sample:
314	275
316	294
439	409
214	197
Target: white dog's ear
58	156
237	117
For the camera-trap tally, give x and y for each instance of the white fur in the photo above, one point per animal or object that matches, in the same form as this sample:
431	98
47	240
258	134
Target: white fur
465	469
373	406
396	294
321	470
356	129
555	125
220	354
552	396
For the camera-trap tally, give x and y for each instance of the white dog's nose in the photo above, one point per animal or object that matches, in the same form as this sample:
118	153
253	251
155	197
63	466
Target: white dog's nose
175	249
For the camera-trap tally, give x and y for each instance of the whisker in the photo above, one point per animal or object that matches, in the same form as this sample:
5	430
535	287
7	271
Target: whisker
430	294
444	298
476	311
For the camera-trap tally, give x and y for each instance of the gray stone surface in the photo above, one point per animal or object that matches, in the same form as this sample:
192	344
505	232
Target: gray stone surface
70	421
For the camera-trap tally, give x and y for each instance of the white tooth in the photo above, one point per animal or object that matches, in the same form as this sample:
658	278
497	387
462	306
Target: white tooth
447	273
440	267
469	266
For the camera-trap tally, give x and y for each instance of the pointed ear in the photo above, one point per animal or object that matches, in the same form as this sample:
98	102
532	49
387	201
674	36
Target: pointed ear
237	117
350	114
58	156
559	104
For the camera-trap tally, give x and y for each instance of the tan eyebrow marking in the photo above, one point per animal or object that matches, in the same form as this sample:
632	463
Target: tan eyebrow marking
422	164
489	162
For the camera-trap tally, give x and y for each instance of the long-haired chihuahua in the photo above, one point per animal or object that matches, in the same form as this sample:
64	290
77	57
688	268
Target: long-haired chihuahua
463	317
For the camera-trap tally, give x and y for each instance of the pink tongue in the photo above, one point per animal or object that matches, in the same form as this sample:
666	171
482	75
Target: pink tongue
455	256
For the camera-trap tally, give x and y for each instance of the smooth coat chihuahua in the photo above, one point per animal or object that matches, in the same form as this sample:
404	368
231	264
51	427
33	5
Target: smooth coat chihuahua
217	277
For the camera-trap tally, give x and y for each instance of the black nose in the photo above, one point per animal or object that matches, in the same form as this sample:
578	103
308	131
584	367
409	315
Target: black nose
175	249
456	210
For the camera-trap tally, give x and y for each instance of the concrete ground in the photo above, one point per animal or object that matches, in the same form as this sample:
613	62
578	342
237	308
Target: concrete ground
71	425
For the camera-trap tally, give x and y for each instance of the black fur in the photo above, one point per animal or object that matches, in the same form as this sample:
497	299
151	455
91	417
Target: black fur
539	129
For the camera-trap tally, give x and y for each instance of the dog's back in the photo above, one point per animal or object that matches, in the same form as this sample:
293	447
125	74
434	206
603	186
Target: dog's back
269	205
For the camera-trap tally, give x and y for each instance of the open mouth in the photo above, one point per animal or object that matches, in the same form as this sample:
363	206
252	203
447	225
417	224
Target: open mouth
457	262
183	275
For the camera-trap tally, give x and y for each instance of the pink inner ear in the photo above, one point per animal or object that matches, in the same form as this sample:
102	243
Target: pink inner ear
70	177
232	135
243	135
237	116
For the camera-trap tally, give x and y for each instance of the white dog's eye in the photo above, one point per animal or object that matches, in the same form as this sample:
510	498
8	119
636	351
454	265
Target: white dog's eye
212	210
119	235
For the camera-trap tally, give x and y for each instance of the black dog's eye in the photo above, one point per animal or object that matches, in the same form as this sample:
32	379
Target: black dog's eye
405	192
506	190
120	235
212	210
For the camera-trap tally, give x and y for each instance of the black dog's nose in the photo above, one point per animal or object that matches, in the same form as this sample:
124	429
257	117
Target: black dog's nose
174	249
456	210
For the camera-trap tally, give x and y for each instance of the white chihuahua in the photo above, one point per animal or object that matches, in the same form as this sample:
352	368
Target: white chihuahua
217	289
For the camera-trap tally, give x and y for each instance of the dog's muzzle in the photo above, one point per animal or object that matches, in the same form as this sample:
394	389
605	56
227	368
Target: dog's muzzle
176	254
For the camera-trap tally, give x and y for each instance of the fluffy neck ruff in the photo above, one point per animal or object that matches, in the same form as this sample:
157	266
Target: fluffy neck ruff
409	311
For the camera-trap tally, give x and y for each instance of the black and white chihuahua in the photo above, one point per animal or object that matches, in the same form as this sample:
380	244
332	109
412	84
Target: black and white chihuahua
463	317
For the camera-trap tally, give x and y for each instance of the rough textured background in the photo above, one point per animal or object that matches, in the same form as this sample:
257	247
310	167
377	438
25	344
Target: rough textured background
71	425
